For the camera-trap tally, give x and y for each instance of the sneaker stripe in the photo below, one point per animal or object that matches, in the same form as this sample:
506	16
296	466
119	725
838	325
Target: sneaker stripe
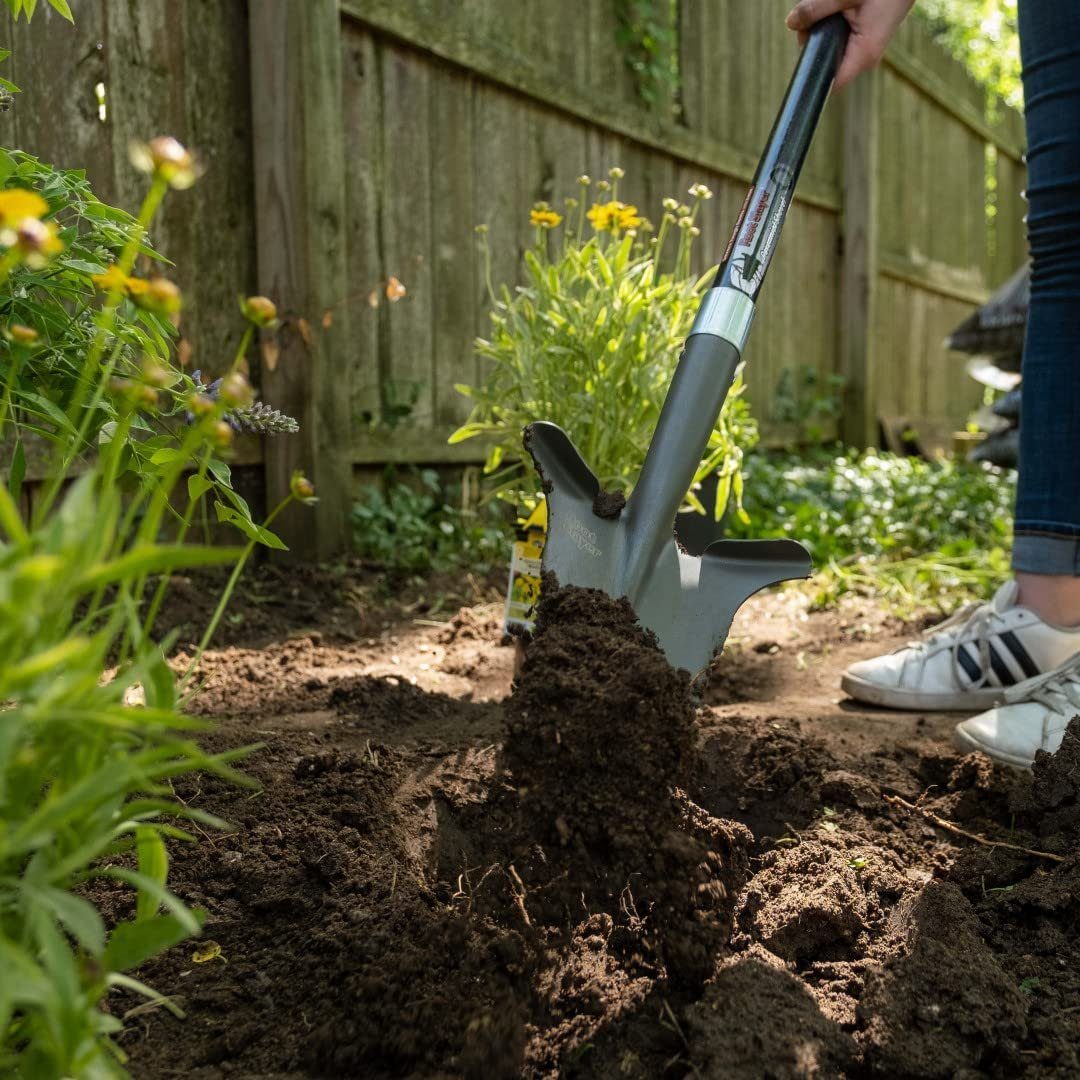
1021	655
1004	676
974	673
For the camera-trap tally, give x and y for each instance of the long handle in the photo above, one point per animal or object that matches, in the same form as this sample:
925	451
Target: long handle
713	349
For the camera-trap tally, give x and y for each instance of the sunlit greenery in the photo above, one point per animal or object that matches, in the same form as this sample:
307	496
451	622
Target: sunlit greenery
907	531
983	35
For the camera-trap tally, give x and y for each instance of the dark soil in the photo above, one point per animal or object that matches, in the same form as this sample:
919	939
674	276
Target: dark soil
597	876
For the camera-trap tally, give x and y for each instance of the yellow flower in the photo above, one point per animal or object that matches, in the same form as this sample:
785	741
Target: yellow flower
394	290
33	239
601	216
113	278
545	217
612	216
16	204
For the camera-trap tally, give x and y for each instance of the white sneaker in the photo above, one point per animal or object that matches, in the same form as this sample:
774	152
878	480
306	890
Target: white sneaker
966	662
1033	717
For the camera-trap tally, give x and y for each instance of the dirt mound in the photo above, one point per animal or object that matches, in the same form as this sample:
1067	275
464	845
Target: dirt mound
600	734
420	889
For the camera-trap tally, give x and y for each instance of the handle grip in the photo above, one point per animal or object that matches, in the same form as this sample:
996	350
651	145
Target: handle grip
753	242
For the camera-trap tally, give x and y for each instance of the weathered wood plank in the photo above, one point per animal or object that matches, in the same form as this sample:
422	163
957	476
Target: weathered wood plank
364	183
858	296
300	207
407	227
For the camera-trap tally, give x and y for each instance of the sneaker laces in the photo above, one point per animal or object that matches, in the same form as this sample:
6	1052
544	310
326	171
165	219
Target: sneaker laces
1058	690
971	621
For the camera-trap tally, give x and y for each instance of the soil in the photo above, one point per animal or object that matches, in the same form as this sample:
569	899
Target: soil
608	872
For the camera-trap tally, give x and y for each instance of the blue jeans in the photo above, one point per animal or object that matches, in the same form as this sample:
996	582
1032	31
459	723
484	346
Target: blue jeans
1047	526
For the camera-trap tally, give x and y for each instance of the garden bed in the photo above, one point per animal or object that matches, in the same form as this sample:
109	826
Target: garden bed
439	879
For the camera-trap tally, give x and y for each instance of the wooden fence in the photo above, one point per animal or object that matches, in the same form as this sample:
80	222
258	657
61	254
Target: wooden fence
350	142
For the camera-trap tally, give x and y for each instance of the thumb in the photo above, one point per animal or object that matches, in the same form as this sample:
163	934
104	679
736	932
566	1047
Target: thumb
808	12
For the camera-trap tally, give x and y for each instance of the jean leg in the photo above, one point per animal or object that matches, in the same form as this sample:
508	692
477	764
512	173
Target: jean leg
1048	496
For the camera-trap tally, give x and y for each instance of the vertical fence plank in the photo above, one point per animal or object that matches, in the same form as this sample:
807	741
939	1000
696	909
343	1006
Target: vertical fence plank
454	250
362	117
860	260
300	209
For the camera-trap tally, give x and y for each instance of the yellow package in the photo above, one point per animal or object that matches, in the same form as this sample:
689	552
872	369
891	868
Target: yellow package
523	589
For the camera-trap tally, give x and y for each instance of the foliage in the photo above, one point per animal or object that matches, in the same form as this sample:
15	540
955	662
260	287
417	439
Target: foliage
983	35
83	776
590	342
86	753
909	530
410	526
647	31
807	403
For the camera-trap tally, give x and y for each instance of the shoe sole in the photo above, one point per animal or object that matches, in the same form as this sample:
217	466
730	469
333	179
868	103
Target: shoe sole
969	701
968	743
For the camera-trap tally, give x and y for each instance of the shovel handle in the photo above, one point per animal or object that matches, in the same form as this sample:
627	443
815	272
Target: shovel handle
714	348
753	243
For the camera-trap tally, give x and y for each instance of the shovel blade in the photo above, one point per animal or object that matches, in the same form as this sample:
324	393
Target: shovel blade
686	600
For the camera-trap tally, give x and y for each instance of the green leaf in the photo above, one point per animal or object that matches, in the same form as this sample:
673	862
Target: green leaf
24	982
159	685
198	486
153	865
82	266
166	456
468	431
7	162
62	7
49	409
156	559
133	943
249	528
17	472
220	471
77	915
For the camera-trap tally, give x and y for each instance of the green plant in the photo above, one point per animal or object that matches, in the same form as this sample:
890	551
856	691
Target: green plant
647	31
91	730
409	526
983	35
904	529
590	342
807	402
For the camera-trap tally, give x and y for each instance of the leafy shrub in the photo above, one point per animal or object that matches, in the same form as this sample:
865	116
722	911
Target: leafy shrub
910	530
590	342
86	753
411	527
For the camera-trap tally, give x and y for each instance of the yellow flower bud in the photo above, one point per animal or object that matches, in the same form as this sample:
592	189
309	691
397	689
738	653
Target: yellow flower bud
158	294
153	374
616	173
167	159
236	391
22	335
301	487
259	310
222	435
200	404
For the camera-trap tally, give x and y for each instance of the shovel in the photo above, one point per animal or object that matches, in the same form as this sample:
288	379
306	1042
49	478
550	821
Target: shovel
685	584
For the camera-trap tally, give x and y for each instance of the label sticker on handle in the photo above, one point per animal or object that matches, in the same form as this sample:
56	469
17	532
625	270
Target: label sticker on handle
758	229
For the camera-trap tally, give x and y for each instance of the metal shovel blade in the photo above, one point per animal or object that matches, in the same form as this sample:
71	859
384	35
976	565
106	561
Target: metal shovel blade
686	600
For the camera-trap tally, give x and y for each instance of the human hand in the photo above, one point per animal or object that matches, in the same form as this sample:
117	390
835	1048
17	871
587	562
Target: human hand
873	23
